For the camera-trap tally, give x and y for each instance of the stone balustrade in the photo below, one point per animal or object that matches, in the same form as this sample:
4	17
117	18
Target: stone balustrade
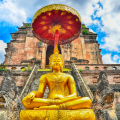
98	66
17	67
20	73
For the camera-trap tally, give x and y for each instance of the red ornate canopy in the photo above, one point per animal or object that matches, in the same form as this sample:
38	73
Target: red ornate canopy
56	19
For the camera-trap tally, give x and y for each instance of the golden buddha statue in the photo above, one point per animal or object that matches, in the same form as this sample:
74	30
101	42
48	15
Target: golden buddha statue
62	91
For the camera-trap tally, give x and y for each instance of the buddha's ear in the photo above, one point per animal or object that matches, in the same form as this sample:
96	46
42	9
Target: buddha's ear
50	65
51	69
61	69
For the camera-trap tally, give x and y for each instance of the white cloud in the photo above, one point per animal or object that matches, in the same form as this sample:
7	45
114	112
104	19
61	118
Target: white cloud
11	13
84	8
112	43
2	51
107	59
17	11
115	57
91	30
110	16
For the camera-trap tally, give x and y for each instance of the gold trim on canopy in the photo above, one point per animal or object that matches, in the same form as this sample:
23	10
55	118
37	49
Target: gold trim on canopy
56	7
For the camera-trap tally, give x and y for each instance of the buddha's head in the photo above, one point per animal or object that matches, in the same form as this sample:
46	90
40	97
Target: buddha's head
56	61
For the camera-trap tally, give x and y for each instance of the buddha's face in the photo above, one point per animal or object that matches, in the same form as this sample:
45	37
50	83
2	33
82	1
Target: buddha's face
56	63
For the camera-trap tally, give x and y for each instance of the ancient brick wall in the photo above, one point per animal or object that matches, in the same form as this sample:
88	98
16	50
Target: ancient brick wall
79	48
25	47
92	53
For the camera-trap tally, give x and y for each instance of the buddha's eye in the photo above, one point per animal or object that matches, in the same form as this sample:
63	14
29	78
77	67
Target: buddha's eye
58	60
54	60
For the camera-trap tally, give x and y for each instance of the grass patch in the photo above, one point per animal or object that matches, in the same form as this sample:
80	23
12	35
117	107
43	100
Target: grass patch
23	69
43	69
64	69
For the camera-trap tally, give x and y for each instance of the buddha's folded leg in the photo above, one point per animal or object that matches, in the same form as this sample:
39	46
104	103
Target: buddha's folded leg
82	103
51	107
79	103
53	103
36	102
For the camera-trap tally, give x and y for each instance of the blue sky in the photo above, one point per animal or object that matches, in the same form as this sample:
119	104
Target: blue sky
100	16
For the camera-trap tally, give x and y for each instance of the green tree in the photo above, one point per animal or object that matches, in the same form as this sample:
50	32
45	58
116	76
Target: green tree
84	32
81	70
40	42
29	69
83	26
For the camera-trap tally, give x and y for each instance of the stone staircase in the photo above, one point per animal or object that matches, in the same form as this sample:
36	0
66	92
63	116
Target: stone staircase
30	79
82	87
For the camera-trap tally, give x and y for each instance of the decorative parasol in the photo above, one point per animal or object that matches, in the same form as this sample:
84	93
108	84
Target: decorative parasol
56	24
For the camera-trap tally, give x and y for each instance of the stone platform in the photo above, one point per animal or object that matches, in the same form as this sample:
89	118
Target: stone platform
82	114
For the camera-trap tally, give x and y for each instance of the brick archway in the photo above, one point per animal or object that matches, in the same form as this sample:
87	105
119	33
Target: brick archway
49	51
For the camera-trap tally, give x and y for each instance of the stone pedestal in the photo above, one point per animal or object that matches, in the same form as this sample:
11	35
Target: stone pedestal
82	114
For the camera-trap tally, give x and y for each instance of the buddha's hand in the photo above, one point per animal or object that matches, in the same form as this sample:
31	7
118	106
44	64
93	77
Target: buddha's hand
68	98
30	97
